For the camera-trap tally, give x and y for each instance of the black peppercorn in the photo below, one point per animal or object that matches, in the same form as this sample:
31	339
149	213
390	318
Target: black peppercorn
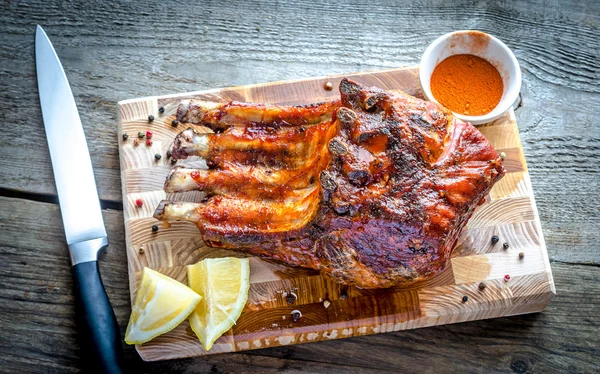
173	161
465	299
150	118
157	156
161	109
174	123
125	136
154	228
296	316
505	245
495	239
168	153
482	286
521	255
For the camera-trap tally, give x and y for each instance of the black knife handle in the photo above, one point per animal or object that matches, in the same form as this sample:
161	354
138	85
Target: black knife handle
99	331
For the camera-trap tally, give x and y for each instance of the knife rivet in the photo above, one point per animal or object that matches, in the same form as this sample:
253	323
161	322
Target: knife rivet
154	228
174	122
125	136
157	156
141	251
161	109
150	118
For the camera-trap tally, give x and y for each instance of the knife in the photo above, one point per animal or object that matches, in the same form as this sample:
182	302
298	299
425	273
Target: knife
79	207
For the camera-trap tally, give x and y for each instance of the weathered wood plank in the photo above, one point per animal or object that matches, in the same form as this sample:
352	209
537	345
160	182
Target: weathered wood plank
39	335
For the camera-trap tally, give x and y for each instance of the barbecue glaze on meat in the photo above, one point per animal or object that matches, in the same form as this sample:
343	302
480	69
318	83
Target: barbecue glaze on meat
372	190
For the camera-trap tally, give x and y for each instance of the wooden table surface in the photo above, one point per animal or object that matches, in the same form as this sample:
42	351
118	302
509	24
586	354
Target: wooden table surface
115	51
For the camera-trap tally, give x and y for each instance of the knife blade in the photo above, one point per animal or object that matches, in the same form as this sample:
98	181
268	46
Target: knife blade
79	206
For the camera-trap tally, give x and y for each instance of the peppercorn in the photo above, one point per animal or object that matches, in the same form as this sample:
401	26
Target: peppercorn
174	123
173	161
290	298
154	228
136	142
505	245
495	239
168	153
157	157
482	286
328	86
139	202
465	299
149	134
141	251
150	118
521	255
148	142
502	155
125	136
296	315
141	134
161	110
506	278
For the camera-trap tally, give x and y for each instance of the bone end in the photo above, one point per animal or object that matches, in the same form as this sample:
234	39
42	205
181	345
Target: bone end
177	211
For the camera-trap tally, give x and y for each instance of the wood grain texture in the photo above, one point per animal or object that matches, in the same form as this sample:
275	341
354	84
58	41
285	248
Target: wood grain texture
112	51
329	310
39	335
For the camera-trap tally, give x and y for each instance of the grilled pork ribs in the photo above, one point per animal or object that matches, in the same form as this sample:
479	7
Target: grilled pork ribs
373	190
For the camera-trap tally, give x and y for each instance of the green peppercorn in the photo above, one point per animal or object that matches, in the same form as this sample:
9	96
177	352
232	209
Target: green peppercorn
141	134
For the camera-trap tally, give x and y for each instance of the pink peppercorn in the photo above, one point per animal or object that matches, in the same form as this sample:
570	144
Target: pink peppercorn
148	142
139	202
506	278
148	134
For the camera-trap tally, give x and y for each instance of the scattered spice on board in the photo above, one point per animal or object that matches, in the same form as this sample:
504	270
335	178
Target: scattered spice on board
495	239
482	286
150	118
148	142
161	110
505	245
139	203
154	228
521	255
125	136
148	134
157	156
141	134
506	278
465	299
174	123
136	142
467	84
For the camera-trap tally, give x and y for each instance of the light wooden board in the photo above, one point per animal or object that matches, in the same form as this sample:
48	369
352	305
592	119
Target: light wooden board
509	212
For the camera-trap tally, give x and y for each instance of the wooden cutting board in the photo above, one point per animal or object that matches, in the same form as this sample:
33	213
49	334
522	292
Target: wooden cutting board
329	310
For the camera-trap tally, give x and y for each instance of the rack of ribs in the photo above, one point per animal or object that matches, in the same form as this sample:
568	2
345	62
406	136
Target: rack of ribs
373	190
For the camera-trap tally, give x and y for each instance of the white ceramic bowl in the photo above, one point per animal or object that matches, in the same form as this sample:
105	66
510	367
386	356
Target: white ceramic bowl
482	45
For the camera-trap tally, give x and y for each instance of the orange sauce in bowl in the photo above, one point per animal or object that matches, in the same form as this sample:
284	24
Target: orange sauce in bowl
467	84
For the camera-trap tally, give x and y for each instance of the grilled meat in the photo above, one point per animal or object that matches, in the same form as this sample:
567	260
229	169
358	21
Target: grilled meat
372	190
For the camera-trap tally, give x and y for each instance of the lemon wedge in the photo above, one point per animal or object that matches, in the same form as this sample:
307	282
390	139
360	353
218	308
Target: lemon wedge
160	305
223	284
